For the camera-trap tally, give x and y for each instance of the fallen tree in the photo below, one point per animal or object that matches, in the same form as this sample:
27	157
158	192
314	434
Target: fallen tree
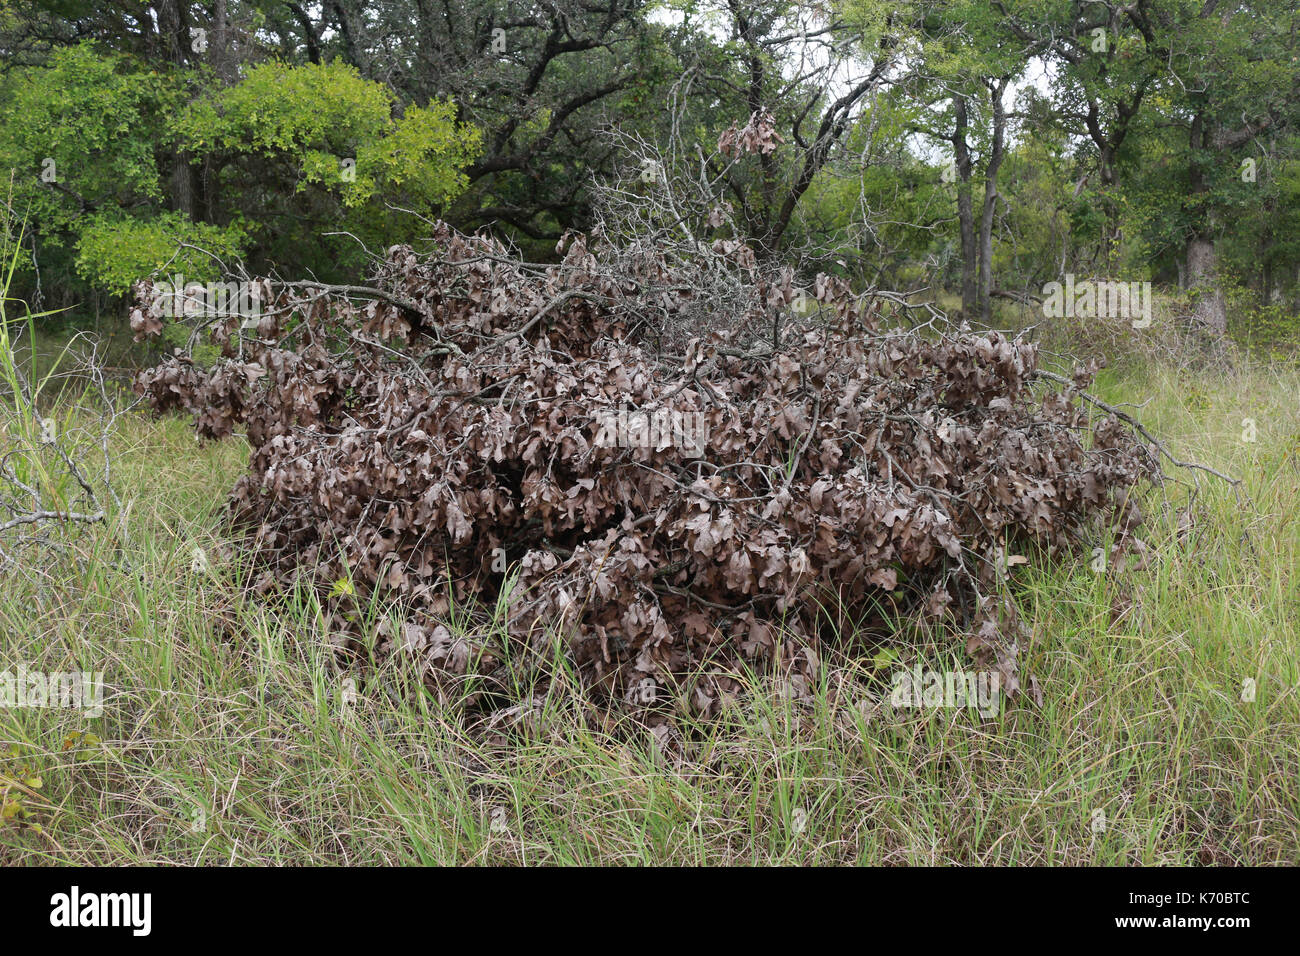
468	429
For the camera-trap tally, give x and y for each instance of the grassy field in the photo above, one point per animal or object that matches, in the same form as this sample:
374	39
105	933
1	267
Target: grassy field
224	737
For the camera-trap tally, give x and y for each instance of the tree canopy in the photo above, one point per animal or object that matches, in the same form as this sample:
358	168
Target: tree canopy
985	147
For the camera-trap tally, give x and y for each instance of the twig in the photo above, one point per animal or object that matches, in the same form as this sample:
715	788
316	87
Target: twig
1136	425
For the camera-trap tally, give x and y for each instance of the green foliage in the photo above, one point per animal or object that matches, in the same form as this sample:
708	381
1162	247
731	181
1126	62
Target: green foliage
319	146
1036	194
1271	329
81	134
1221	89
287	154
422	156
80	138
334	129
881	222
20	786
113	252
279	109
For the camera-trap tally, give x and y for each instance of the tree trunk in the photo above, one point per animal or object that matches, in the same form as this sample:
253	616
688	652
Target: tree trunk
1202	257
1203	280
965	211
219	49
347	28
996	89
174	36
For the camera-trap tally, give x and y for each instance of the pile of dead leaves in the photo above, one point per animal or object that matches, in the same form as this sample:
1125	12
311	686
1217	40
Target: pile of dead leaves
469	430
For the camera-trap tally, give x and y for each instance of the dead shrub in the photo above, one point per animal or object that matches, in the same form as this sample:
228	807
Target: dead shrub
469	429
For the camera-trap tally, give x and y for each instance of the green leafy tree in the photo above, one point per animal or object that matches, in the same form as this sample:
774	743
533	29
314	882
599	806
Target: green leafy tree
294	152
82	138
283	157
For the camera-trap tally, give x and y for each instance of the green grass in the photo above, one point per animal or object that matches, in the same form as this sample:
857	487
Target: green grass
224	738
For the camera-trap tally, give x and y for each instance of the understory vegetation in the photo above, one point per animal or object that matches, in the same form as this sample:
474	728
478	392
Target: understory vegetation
230	735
